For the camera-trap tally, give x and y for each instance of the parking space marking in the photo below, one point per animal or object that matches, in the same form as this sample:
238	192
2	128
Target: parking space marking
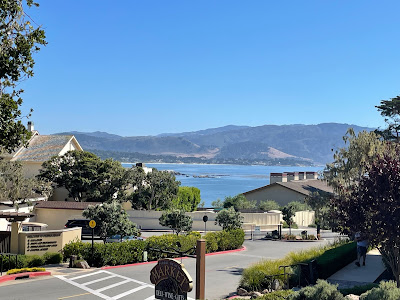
98	280
108	275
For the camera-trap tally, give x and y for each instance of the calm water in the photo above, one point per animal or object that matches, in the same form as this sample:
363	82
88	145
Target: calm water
225	180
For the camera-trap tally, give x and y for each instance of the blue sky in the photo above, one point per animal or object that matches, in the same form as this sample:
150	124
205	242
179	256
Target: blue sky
149	67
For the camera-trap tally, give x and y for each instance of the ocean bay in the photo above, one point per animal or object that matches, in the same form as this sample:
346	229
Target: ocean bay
218	181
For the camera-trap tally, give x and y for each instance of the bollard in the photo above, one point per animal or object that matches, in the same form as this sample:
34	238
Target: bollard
72	261
144	255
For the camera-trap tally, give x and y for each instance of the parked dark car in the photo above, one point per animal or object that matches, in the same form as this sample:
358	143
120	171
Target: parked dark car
83	223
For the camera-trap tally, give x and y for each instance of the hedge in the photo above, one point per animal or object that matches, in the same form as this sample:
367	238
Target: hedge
111	254
330	259
335	259
30	261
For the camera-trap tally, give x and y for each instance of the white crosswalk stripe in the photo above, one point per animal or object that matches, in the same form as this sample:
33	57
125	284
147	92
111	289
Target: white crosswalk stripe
107	276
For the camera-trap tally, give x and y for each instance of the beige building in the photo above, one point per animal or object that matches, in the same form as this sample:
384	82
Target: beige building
56	213
41	148
289	186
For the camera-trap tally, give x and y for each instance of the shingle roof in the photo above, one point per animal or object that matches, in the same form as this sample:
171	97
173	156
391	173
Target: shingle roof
42	148
301	186
65	205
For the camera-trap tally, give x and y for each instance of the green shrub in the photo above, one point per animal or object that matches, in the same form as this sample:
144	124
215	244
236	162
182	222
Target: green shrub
386	290
256	276
277	295
35	261
23	270
320	291
285	225
335	259
358	289
211	241
132	251
52	258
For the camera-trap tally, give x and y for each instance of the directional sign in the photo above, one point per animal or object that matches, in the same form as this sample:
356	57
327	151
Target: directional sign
92	224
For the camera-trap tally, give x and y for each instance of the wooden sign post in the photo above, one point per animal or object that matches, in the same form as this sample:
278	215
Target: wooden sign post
200	269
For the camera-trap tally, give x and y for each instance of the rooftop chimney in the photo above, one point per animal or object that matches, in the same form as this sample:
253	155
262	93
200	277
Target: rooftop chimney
292	176
142	165
31	126
277	177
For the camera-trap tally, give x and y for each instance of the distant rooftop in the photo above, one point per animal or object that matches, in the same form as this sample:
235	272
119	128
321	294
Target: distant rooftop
42	148
65	205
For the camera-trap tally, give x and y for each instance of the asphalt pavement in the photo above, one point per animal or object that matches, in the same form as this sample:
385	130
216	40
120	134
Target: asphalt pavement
223	272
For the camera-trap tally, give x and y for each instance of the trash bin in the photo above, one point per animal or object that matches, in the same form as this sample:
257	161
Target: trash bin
72	260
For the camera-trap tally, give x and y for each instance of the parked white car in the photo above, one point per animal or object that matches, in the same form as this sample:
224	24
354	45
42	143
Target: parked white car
117	238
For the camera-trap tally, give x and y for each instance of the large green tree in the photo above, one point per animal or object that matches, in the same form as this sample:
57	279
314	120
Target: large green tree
351	161
390	110
20	38
154	190
86	177
188	198
111	219
373	207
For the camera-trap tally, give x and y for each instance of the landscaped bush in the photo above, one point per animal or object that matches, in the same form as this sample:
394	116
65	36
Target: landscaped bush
277	295
320	291
335	259
34	261
52	258
132	251
294	225
23	270
386	290
255	278
358	289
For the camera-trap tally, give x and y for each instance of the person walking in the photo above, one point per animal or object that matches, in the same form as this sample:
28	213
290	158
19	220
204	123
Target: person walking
362	245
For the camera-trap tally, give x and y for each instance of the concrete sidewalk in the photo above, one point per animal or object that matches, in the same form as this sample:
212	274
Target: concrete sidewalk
351	275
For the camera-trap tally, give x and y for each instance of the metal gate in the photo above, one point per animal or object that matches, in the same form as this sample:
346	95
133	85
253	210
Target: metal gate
5	237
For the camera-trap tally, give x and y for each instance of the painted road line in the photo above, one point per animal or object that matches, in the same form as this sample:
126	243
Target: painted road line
108	275
83	287
112	285
73	296
130	292
86	275
98	280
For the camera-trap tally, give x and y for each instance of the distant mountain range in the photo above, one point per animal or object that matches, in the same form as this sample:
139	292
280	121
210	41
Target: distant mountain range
268	144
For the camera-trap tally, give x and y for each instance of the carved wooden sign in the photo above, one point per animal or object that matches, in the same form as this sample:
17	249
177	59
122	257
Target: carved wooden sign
171	279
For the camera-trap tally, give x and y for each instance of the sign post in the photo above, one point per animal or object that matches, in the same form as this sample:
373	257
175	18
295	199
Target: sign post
92	224
205	219
200	269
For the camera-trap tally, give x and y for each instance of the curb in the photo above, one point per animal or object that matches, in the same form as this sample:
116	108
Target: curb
155	261
23	275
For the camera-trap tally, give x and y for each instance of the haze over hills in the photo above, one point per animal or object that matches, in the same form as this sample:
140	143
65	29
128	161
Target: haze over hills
267	144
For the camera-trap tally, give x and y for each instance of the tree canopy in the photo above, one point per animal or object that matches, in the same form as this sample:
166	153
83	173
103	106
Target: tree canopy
111	219
86	177
20	38
238	202
373	206
17	188
188	198
350	162
177	220
390	110
229	219
154	190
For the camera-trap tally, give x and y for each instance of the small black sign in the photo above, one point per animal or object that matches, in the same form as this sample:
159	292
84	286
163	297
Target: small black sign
205	219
